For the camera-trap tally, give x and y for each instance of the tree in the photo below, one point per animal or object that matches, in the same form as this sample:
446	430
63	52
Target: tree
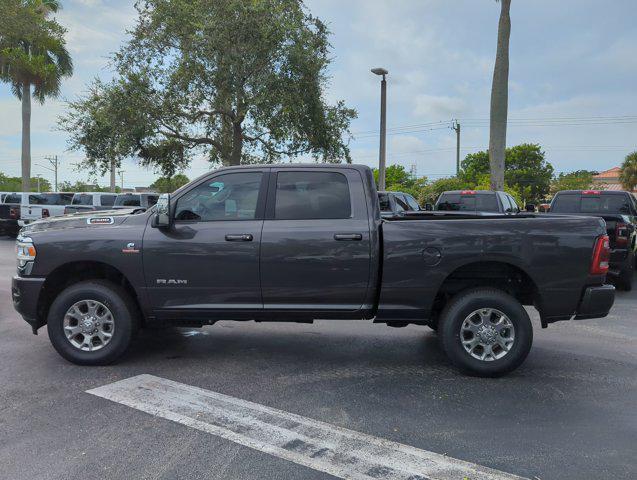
500	99
527	173
431	192
628	175
239	81
577	180
78	186
32	54
14	184
169	184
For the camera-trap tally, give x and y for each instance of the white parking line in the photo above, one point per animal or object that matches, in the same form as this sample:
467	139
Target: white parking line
327	448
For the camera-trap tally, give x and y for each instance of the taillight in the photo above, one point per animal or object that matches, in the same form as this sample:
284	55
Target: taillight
621	234
45	213
14	213
601	256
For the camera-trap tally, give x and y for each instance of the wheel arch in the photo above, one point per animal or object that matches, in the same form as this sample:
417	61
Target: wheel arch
74	272
503	275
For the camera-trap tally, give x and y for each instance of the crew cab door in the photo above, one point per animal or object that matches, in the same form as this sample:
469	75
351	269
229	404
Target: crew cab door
315	246
208	262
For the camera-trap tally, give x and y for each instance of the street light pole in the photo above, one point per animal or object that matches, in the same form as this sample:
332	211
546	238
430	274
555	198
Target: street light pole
383	127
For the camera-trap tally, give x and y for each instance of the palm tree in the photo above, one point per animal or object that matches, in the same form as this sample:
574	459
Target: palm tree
628	175
33	54
500	99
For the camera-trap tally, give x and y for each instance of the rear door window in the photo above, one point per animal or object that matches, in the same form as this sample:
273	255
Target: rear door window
312	195
401	203
13	198
107	200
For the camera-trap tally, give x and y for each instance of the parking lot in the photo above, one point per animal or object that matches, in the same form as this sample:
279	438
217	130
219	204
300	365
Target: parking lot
567	413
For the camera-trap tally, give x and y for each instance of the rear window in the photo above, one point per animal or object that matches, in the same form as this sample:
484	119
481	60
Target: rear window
578	203
82	199
51	199
468	203
152	200
128	201
311	195
385	205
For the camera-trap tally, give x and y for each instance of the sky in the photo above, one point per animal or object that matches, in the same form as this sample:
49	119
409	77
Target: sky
573	73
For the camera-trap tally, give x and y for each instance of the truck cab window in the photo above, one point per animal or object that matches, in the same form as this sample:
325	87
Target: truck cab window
232	196
311	195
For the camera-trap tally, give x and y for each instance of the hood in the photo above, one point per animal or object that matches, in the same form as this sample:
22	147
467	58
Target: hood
92	219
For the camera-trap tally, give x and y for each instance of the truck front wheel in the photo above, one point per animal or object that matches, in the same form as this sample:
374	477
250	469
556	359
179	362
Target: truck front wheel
485	332
92	322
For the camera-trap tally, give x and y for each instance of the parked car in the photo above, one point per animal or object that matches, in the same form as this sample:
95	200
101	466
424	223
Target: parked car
397	203
55	201
91	201
17	211
132	200
479	202
296	243
619	210
9	217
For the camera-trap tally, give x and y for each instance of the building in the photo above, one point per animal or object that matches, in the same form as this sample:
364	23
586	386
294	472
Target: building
608	180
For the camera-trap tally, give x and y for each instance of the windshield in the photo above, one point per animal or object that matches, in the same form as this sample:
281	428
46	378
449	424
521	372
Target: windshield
467	203
128	201
578	203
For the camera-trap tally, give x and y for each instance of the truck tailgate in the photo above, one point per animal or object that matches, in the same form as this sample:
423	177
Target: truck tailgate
31	213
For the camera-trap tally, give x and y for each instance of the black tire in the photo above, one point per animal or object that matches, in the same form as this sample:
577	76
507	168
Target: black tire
125	320
625	280
460	307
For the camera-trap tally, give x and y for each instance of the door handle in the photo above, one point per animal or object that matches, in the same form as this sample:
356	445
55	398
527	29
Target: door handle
348	237
241	237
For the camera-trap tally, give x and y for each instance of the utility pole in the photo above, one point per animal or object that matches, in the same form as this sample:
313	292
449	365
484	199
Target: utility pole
383	126
121	178
38	175
456	127
113	176
53	160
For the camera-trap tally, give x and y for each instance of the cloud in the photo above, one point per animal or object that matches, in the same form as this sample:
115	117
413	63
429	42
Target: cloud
438	107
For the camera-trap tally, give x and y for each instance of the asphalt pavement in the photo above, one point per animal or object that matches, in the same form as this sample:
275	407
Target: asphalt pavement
567	413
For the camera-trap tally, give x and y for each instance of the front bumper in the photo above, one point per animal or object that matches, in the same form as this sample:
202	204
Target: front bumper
596	302
26	292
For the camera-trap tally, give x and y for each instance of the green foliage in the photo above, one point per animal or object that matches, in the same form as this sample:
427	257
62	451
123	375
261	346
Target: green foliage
397	179
79	186
628	175
577	180
240	81
32	48
14	184
527	172
430	192
169	184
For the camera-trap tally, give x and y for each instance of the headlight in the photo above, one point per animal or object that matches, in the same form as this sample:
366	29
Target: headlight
25	250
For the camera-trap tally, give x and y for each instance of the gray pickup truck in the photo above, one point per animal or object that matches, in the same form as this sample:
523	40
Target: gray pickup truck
296	243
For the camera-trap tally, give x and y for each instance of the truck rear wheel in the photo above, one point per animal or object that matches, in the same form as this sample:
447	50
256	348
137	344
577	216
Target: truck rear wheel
485	332
92	322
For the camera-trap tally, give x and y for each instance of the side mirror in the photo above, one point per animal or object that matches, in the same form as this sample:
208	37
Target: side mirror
429	207
163	218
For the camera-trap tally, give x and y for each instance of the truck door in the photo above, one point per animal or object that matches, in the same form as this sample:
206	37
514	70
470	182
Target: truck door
209	261
315	246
